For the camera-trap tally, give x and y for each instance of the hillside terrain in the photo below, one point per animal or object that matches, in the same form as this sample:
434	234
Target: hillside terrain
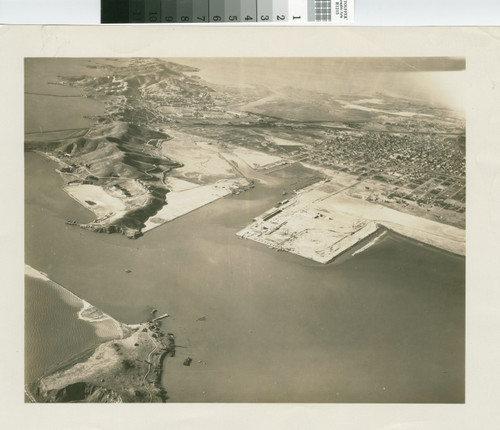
403	153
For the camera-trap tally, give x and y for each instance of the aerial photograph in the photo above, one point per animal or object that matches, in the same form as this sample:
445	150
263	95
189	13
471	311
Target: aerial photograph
244	230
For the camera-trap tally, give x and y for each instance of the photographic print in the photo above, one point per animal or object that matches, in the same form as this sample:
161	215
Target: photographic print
245	230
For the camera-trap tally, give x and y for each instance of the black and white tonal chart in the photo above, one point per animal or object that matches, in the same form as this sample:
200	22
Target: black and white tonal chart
226	11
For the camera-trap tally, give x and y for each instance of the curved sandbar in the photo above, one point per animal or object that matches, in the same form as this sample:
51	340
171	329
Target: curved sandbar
104	325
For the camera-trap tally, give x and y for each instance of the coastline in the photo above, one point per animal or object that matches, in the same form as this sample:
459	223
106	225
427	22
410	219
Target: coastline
440	235
187	384
369	244
126	370
320	223
131	355
103	324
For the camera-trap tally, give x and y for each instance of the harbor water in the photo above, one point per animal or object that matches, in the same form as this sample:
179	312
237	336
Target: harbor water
385	325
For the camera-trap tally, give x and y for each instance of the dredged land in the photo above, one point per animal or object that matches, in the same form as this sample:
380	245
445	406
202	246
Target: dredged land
168	144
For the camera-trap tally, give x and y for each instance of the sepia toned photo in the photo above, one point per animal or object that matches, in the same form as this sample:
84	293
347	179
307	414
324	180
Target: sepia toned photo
245	230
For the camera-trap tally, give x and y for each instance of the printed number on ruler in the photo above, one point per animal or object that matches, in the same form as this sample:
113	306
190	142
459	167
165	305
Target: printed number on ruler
230	11
280	10
248	11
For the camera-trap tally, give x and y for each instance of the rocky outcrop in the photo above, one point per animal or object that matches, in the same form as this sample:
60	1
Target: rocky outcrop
126	370
113	228
122	159
80	392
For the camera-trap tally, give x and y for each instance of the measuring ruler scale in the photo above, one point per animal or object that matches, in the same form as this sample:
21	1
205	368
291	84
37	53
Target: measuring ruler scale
225	11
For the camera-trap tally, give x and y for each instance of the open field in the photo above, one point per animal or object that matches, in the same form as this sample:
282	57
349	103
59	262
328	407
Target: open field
184	201
96	199
285	142
443	236
199	158
331	173
321	222
255	159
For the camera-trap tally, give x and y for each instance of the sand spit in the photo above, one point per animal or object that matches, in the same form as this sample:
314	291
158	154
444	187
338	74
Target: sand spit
104	325
29	271
125	369
369	244
348	105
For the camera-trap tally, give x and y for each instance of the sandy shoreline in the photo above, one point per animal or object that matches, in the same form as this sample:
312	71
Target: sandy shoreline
369	244
180	203
104	325
442	236
29	271
102	203
124	367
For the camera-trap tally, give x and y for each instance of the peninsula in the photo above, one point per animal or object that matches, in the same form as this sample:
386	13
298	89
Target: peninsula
127	368
168	143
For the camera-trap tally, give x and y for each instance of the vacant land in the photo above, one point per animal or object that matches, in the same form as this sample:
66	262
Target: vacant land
161	124
321	222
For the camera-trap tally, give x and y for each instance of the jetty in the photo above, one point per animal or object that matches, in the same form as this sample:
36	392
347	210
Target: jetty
160	317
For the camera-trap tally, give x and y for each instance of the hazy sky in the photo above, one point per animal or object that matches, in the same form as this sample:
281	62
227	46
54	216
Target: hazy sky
438	80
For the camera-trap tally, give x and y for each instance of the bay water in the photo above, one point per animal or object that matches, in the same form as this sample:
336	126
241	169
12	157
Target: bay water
385	325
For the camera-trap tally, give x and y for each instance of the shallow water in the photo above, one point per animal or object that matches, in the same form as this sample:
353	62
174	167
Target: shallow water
51	107
53	332
45	113
386	325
